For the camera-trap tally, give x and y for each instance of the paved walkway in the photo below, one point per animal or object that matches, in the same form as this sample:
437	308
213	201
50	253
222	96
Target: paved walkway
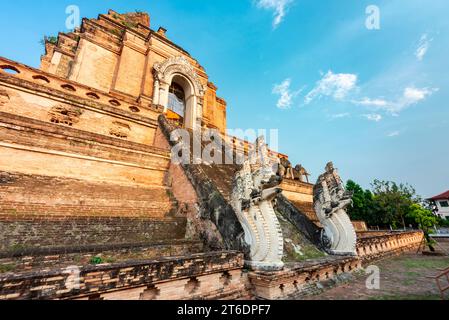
401	278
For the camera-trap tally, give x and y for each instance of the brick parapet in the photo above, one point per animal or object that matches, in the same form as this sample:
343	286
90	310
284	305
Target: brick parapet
388	244
125	279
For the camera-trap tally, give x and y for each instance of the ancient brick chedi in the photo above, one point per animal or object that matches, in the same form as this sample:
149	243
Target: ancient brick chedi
93	207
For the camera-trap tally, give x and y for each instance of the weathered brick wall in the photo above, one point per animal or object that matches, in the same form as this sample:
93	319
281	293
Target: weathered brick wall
96	68
300	194
60	89
360	226
59	257
47	149
66	186
297	191
28	231
189	202
196	276
388	244
24	194
41	211
213	185
81	113
299	278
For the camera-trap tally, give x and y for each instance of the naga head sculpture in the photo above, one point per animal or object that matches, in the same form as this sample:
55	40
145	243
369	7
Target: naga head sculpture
330	167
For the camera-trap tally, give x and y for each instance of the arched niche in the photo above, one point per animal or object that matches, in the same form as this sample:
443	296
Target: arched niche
178	70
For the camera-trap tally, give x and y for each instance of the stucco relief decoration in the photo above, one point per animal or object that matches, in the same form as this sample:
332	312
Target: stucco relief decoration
163	71
120	130
66	115
4	97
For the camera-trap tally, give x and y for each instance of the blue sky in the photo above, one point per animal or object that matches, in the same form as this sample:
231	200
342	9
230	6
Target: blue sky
373	101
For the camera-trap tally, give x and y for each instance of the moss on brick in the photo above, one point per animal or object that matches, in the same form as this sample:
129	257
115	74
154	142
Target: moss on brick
4	268
296	247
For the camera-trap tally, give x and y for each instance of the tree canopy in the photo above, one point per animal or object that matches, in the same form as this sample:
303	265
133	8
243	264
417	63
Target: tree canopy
387	204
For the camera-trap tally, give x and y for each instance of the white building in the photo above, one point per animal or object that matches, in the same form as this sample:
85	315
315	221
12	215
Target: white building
442	204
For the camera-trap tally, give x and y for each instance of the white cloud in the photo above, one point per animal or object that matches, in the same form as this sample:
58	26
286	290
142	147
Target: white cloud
280	8
286	96
393	134
340	115
414	95
367	102
423	47
333	85
373	117
410	96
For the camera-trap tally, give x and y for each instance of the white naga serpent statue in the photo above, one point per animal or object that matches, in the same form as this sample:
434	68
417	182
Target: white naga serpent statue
255	189
330	202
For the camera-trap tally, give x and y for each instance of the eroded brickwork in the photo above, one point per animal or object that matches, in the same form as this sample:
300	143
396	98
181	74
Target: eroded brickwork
197	276
115	53
30	231
379	246
300	194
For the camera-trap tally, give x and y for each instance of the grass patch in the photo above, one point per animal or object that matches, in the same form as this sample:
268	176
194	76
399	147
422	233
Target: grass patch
7	268
359	273
311	252
96	260
411	263
110	260
412	274
17	248
409	282
298	240
403	297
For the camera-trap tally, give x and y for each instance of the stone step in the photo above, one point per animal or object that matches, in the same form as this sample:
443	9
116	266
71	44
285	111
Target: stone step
152	209
31	232
37	189
31	194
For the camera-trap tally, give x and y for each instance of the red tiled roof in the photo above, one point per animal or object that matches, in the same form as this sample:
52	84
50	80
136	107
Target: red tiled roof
441	196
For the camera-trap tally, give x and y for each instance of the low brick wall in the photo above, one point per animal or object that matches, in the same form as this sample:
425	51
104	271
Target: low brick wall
360	226
301	279
58	257
370	234
217	275
213	275
388	244
298	278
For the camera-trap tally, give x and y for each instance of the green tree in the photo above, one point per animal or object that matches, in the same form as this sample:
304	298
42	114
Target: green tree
425	220
50	39
392	202
363	205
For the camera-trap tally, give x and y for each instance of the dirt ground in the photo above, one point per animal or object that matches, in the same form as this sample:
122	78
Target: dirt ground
401	278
